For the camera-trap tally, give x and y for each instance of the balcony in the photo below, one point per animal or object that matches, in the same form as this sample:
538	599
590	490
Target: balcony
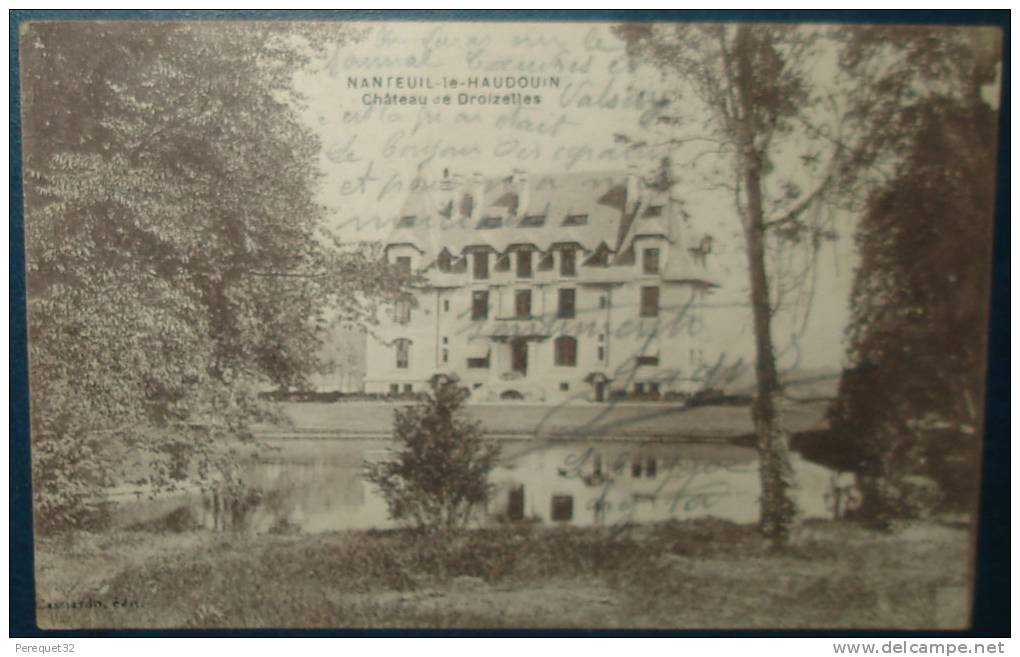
517	327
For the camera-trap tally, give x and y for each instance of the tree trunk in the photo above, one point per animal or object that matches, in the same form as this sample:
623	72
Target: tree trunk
777	505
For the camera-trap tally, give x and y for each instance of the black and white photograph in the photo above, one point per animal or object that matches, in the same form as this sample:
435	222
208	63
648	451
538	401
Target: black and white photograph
507	324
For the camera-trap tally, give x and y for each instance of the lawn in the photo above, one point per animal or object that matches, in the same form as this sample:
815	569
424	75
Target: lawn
694	574
650	420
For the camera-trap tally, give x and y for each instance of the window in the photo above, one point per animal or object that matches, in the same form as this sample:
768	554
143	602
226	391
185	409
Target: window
524	264
408	388
653	388
394	389
402	311
446	355
568	262
522	304
602	353
406	222
446	340
651	261
566	351
404	265
566	307
651	467
603	301
491	222
532	220
562	508
477	363
480	305
481	265
515	503
443	263
564	386
576	220
649	302
467	205
635	468
639	388
403	353
650	361
653	211
446	305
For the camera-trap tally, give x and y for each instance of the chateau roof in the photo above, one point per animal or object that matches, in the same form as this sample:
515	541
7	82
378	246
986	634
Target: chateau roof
546	212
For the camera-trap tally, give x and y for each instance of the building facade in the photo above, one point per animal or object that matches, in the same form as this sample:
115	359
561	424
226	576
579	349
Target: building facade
546	288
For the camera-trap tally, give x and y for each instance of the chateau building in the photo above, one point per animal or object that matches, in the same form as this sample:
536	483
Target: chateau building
547	288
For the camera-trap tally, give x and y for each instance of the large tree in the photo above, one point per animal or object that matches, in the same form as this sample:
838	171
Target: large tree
750	93
911	397
176	255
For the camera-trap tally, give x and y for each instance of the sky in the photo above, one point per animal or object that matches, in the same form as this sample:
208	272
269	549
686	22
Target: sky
373	153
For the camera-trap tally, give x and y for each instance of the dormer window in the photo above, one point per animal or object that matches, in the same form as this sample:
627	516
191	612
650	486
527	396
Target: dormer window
443	263
524	264
406	222
576	220
653	211
491	222
481	265
532	220
651	261
568	262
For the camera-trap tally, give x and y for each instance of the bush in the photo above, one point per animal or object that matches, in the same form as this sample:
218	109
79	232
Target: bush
438	474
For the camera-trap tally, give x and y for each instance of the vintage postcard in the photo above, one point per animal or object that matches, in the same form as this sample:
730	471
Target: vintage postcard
451	324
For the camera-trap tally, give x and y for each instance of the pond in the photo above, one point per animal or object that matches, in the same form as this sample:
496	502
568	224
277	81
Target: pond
316	485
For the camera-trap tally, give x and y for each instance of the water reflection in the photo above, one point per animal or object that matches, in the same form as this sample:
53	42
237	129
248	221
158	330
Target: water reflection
316	485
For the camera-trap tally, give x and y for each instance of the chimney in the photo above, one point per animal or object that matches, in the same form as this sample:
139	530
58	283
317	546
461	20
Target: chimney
477	191
519	182
444	194
633	189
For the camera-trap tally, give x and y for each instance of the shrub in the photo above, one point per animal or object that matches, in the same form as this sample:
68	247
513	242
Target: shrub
438	472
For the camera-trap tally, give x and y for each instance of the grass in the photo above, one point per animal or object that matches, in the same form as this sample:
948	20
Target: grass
695	574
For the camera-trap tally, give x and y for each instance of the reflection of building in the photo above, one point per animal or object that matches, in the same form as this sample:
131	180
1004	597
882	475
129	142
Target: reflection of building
609	483
583	285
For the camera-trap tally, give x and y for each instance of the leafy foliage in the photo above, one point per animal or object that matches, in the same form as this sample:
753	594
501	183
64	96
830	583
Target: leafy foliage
177	259
439	472
910	402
